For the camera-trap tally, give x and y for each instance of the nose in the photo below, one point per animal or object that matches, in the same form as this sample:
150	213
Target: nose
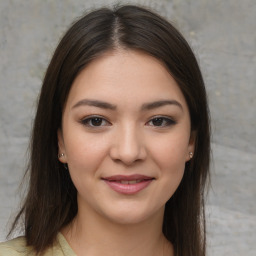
128	146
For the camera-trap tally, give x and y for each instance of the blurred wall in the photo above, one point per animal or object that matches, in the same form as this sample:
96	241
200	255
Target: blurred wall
222	34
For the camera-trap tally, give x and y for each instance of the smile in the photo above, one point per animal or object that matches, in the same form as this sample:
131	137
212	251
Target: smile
128	184
129	181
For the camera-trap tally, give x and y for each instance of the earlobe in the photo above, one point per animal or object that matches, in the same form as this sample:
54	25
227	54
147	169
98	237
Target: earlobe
61	148
191	146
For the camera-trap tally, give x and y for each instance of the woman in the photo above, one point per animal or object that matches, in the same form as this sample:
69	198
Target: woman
120	144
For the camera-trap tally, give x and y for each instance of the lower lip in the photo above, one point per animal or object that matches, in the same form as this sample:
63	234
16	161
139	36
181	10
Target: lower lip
128	189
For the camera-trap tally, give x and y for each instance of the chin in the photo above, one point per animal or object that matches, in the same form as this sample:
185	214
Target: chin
131	216
128	220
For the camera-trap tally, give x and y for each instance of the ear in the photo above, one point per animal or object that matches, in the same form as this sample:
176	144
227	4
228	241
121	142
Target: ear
61	147
191	146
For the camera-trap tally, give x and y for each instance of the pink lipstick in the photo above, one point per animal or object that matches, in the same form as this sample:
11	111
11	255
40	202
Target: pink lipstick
129	185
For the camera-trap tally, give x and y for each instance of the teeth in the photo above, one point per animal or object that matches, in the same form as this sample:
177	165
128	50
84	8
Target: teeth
124	181
130	181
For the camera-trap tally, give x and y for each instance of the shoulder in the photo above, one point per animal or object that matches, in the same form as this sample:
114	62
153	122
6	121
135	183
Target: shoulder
15	247
18	247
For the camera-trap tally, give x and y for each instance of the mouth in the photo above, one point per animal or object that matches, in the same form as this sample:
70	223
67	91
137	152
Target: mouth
131	184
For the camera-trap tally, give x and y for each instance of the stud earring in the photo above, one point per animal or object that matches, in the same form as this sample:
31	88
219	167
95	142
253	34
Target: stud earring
191	155
61	155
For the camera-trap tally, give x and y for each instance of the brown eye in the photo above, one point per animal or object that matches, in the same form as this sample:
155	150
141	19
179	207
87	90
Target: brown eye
161	122
157	121
95	122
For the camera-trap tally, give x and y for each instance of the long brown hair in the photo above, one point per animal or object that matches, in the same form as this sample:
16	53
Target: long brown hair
51	199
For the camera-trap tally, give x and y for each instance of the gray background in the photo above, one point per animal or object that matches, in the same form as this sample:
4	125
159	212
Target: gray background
222	34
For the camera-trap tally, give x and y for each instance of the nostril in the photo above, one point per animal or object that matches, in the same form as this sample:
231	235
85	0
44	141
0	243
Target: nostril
127	147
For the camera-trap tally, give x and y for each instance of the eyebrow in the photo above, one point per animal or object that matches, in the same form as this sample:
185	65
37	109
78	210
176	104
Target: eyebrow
95	103
144	107
160	103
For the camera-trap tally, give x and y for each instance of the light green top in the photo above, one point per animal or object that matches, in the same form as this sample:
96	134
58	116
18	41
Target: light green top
17	247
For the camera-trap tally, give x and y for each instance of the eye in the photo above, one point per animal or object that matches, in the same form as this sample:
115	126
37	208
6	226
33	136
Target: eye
95	121
161	122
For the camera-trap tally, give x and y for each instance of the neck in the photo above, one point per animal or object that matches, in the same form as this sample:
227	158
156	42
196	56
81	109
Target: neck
95	235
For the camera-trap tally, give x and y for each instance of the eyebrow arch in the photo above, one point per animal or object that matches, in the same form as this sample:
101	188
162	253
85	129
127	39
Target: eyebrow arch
95	103
160	103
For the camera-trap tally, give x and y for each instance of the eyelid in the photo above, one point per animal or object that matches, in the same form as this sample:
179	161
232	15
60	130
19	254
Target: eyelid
84	121
170	120
167	119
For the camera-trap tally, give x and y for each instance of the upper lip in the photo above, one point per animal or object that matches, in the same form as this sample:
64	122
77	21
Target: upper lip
127	177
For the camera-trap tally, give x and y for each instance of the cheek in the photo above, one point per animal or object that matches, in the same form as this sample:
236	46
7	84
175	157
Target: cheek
170	157
85	153
171	160
85	156
170	151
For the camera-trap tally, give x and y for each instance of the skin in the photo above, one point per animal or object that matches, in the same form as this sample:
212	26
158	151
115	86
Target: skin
127	140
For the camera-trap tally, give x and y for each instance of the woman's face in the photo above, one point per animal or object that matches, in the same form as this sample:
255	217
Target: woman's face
126	136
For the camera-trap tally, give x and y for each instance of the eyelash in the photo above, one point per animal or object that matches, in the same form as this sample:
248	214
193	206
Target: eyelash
168	121
88	121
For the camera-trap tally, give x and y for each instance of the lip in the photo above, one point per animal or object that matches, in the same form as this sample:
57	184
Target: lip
114	182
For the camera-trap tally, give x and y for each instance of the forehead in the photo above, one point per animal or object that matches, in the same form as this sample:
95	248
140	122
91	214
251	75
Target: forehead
125	77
